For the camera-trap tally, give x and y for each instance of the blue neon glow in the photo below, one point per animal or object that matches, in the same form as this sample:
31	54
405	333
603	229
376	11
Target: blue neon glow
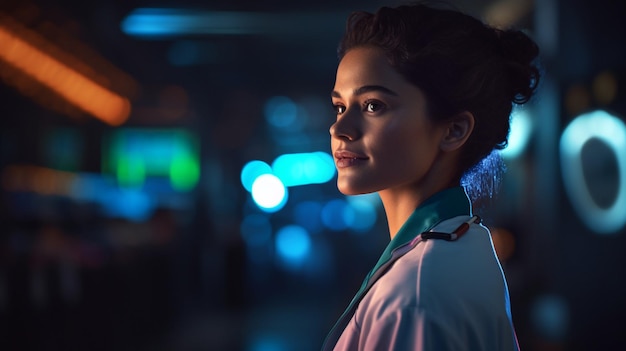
164	22
521	130
335	213
362	216
269	193
131	204
281	112
251	171
293	244
134	204
611	131
154	22
304	168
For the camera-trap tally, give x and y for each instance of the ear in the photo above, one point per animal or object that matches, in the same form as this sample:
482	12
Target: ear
457	131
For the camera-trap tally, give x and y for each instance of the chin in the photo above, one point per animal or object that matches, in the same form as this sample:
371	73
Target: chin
351	189
345	189
348	192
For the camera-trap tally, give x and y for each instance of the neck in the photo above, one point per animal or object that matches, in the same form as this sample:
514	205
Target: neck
399	205
401	202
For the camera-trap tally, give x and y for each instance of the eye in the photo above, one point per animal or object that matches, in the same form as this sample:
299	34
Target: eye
339	109
373	106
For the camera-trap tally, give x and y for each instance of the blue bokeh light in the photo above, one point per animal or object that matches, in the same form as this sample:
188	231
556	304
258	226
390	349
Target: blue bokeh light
132	204
269	193
611	131
281	112
155	22
251	171
293	244
164	22
550	316
363	215
334	214
357	214
304	168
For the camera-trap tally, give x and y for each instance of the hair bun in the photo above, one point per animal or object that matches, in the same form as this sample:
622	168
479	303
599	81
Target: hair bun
520	54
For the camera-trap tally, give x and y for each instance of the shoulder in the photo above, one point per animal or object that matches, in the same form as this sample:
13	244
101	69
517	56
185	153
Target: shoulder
442	293
436	273
467	259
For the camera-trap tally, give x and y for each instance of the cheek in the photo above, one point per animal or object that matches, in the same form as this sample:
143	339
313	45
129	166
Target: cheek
405	148
395	140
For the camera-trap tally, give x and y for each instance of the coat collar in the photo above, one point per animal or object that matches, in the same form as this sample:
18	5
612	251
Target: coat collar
445	204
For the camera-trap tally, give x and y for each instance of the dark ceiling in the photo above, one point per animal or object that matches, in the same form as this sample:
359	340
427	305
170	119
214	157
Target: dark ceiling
300	58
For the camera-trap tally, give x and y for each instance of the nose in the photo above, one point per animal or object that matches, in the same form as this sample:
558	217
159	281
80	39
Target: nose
345	127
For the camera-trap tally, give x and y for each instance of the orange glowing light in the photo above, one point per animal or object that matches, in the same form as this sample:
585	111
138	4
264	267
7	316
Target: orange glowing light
503	242
69	84
41	180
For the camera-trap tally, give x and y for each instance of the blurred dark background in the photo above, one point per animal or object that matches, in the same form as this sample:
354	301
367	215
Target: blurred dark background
132	133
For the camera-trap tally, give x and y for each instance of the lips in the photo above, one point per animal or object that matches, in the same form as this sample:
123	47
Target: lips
345	158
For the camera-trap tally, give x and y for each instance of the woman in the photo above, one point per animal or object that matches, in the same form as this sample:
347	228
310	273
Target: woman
422	96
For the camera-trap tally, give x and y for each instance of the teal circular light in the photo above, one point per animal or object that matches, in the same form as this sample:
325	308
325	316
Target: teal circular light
611	131
293	244
251	171
304	168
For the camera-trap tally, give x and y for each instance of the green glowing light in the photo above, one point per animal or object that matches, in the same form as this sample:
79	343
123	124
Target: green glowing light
133	154
131	171
184	172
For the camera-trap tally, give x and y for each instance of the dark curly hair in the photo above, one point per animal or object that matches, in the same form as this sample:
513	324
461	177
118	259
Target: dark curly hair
460	64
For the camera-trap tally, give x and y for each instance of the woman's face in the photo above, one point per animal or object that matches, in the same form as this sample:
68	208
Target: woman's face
382	137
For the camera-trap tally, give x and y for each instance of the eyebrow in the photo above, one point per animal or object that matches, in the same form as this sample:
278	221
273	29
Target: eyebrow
367	89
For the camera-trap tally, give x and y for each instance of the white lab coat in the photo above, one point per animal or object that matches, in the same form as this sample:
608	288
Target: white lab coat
433	294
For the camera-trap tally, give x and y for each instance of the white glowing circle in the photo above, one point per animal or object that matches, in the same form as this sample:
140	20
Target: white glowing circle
268	192
611	131
251	171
